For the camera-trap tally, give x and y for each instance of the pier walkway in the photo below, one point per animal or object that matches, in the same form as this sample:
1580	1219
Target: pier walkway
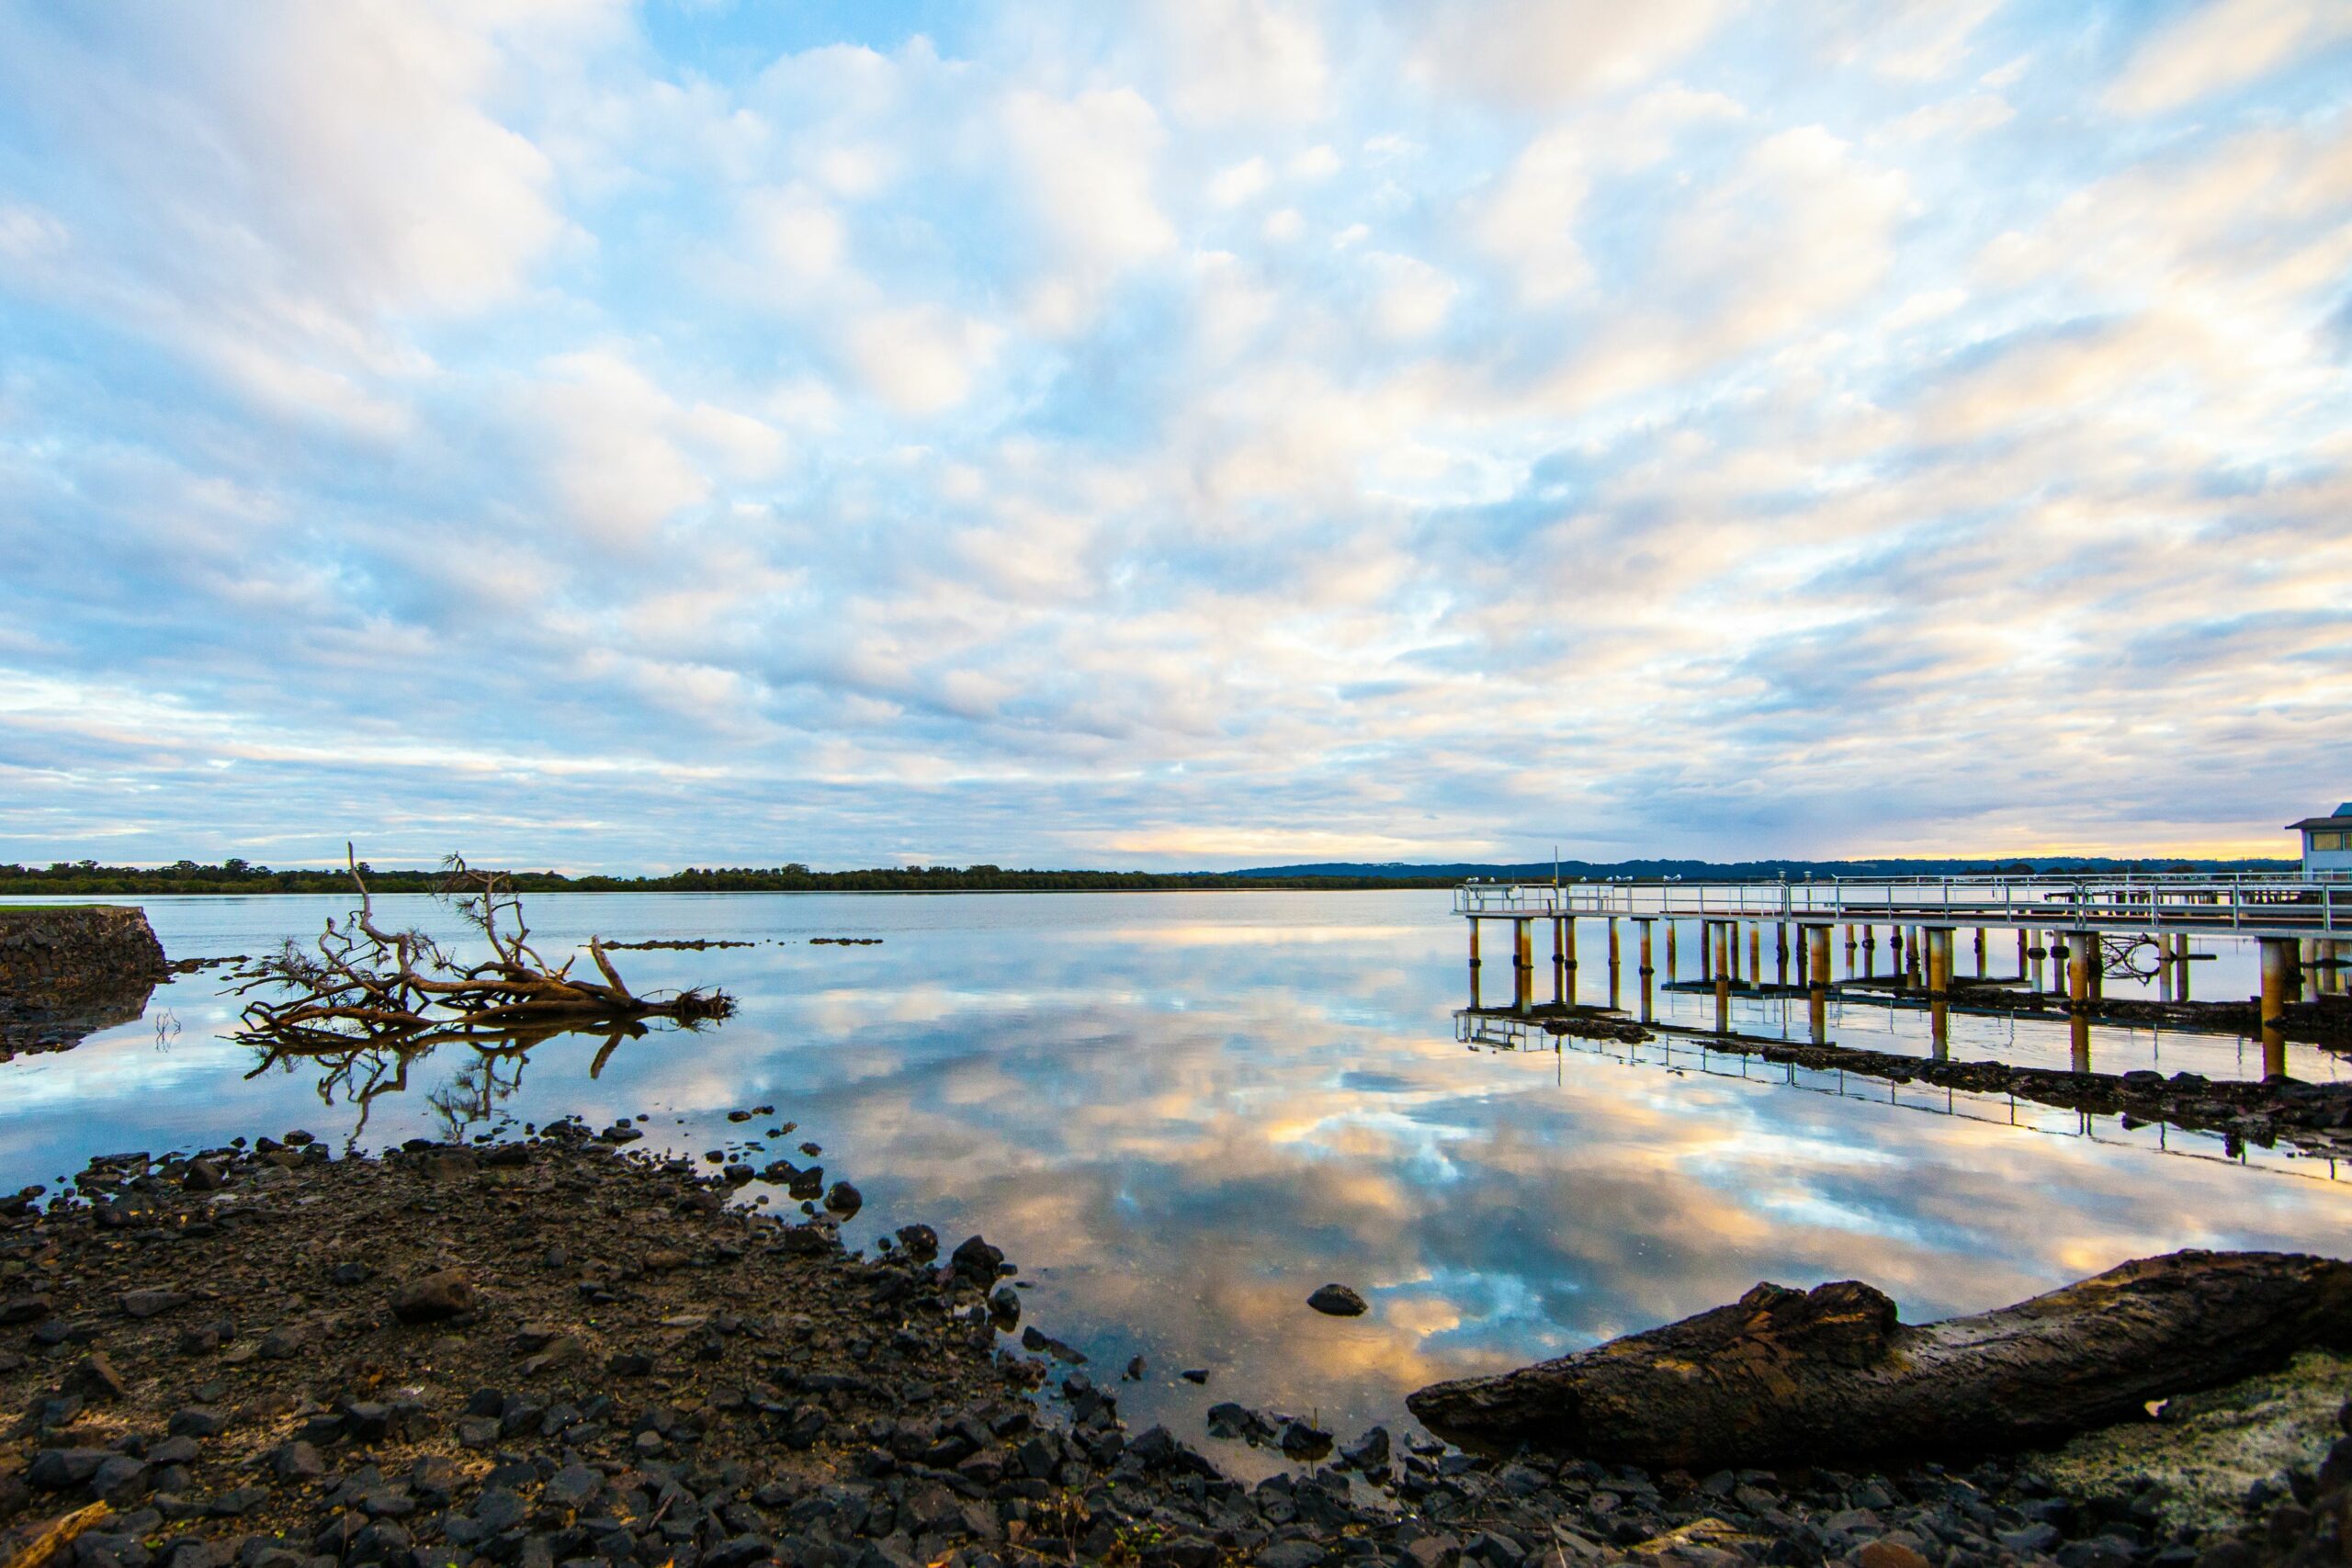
2088	926
2246	905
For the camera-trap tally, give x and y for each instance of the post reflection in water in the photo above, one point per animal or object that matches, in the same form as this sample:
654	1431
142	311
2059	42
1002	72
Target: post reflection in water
1180	1113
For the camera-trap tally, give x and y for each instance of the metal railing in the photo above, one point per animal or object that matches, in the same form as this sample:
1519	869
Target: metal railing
2247	903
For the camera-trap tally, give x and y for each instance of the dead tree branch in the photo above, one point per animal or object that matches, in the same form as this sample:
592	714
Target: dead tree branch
361	985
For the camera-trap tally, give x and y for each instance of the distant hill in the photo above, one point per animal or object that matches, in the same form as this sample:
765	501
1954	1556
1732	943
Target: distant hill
1746	870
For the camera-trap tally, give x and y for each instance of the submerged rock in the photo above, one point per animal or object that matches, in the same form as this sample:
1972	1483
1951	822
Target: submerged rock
1337	1301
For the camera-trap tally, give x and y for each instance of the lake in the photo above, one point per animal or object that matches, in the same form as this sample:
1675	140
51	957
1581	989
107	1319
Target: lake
1183	1113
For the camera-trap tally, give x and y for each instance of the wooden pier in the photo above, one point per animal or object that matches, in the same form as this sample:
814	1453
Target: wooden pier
2082	926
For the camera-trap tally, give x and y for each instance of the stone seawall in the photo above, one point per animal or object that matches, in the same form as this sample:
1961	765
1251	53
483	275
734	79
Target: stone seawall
64	953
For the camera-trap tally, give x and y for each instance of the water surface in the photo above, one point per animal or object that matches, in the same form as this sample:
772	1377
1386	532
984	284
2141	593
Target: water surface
1183	1113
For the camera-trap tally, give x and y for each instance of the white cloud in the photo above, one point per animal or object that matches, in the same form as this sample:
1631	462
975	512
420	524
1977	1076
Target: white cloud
921	359
1528	223
1543	53
1412	297
2222	44
1086	168
1242	60
1234	186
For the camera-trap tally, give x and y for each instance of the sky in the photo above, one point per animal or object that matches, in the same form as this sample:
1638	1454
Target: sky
1206	435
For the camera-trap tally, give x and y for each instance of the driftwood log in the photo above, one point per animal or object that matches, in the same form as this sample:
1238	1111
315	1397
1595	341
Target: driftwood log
1806	1375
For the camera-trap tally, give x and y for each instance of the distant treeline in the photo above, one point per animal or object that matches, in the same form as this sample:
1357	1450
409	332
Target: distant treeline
240	876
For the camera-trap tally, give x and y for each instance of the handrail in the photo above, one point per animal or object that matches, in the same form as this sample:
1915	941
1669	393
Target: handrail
2282	903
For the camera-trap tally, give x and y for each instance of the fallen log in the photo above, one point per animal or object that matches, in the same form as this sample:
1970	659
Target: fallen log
1812	1375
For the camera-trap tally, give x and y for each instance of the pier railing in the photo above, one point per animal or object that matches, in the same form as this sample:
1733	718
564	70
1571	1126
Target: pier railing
2244	903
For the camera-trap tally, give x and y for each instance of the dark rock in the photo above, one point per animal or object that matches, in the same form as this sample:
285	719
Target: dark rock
1030	1339
574	1487
976	1260
434	1298
1194	1374
297	1462
1305	1440
1230	1421
843	1199
143	1304
61	1469
199	1421
202	1176
24	1309
95	1376
1004	1307
923	1245
1337	1301
1369	1451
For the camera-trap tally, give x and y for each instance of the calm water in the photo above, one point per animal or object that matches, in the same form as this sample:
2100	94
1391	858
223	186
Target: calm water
1183	1113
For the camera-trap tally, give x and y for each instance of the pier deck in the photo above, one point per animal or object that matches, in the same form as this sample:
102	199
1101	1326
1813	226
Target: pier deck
2273	905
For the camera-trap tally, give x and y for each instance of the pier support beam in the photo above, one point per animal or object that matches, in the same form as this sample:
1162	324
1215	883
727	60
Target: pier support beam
2025	941
1756	953
1570	965
1980	953
1724	947
1850	951
1560	960
2282	984
1473	961
1870	950
1780	951
1646	964
1816	948
2180	961
1522	963
1669	953
1939	965
1612	963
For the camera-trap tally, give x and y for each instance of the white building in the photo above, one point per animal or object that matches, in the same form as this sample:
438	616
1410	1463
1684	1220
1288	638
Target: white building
2327	842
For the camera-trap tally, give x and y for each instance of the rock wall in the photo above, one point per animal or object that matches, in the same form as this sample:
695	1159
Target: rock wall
63	954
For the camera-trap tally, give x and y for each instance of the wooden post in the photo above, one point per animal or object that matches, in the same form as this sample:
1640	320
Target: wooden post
1612	963
2282	984
1725	947
1474	961
1572	960
1816	942
1646	969
1560	960
1522	963
1669	952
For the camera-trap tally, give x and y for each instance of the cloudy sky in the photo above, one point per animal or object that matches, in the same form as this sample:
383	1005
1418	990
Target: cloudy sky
1209	434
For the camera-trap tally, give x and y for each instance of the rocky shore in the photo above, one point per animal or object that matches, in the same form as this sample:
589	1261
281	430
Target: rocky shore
557	1352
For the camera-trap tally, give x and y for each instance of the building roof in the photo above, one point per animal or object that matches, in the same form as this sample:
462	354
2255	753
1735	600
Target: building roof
2342	818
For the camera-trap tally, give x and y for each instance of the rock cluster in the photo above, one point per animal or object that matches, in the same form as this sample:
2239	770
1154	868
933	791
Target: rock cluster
69	970
532	1354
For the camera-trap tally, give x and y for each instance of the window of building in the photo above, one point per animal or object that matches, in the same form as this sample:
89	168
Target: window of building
2328	840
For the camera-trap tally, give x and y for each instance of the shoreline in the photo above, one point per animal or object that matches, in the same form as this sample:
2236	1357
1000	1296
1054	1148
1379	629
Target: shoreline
559	1351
